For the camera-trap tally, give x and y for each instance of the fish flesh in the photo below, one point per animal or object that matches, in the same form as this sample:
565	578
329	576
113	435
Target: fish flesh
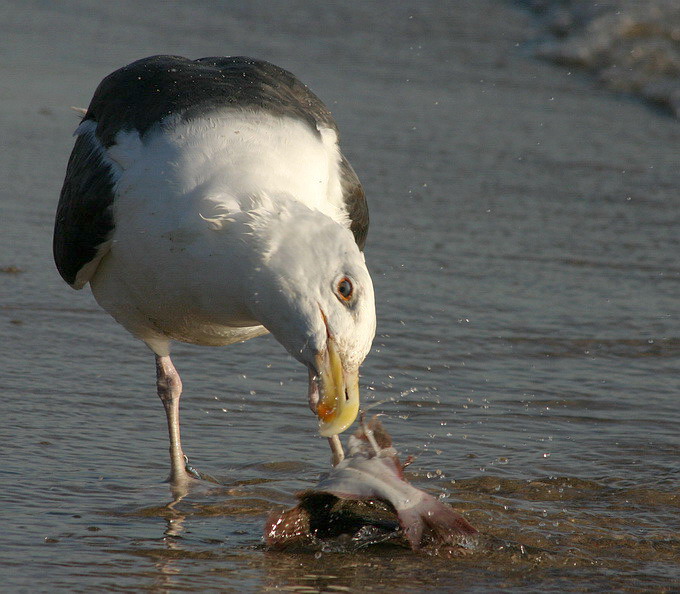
366	491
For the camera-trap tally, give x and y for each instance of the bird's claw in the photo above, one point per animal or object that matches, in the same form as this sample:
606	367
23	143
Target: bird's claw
197	474
191	471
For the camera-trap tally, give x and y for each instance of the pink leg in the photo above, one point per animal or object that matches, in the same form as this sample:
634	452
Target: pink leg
169	387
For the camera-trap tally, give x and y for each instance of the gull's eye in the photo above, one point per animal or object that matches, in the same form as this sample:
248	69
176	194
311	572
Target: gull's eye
345	289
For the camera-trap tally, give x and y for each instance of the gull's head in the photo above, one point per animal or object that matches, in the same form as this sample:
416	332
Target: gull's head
313	292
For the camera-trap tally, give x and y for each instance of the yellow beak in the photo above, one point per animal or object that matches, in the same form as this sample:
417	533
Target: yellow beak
339	393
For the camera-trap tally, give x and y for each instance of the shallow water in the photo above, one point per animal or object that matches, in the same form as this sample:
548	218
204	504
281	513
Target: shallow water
524	246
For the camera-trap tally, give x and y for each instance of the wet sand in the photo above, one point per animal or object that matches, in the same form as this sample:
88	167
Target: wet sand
524	247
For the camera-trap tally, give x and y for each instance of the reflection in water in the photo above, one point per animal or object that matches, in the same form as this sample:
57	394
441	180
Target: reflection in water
167	565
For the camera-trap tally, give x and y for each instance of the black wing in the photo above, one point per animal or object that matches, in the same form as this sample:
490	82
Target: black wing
143	93
355	202
84	219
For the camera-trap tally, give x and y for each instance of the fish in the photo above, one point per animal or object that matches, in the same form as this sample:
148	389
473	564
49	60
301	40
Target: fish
366	495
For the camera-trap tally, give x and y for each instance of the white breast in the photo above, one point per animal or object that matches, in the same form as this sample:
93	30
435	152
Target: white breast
231	155
163	270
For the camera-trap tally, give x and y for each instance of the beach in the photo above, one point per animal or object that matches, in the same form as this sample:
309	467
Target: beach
524	245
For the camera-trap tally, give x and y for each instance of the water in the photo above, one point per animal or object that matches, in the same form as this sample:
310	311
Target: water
630	45
524	247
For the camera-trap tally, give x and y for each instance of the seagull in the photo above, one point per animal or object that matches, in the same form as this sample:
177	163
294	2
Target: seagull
208	202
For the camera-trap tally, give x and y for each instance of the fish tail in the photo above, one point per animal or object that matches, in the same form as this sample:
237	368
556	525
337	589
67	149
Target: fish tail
432	520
